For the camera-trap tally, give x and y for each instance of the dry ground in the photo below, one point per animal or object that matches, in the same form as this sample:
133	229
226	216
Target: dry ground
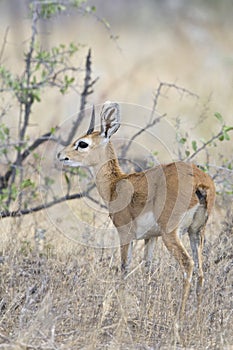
55	294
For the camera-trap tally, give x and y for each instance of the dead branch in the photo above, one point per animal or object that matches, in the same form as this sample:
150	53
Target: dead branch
39	141
138	133
179	89
28	73
154	120
205	144
4	43
18	213
87	90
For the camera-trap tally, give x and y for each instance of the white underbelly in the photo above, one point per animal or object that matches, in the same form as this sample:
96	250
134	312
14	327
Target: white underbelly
187	220
146	226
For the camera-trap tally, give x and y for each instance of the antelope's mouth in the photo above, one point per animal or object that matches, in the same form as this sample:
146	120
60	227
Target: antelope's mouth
69	162
66	161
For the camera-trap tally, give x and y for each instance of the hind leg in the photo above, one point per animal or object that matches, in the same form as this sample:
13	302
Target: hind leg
196	236
126	256
197	243
176	248
149	250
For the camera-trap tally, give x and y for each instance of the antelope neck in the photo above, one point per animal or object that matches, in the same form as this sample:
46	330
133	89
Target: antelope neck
107	173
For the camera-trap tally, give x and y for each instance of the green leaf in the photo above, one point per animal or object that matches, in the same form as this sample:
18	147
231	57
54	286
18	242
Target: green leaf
36	156
81	173
227	128
61	7
73	48
221	138
18	148
67	179
219	117
44	74
55	50
49	181
50	9
52	130
182	140
106	23
78	3
194	145
4	132
226	136
26	183
36	95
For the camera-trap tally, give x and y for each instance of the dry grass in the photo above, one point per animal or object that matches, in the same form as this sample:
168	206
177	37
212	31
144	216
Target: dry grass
65	296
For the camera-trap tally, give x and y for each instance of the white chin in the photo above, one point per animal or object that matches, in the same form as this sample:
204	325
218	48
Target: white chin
72	164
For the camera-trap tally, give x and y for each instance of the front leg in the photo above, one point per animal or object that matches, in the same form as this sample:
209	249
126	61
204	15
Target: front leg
126	256
149	250
126	237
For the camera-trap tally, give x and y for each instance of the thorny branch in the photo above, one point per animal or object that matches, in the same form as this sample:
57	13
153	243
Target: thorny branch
25	111
154	120
87	90
4	43
28	60
8	179
138	133
47	136
18	213
106	25
162	86
40	140
67	197
4	180
205	144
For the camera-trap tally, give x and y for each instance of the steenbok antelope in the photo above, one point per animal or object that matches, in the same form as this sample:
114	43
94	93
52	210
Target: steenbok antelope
166	200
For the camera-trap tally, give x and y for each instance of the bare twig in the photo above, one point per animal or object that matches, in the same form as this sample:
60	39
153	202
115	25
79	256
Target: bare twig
26	101
18	213
106	25
154	120
178	88
205	144
28	72
40	140
37	143
26	94
138	133
87	90
67	197
4	43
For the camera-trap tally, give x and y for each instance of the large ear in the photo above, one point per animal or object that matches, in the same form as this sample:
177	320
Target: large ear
110	119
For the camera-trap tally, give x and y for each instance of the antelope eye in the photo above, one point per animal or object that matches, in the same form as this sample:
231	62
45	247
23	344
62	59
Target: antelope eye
83	144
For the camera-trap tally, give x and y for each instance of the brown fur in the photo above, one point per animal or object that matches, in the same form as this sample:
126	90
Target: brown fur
166	200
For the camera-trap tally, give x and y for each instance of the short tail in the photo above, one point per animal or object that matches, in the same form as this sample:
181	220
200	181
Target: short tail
206	196
202	196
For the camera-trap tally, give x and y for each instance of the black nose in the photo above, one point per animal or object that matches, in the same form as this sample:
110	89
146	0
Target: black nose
62	159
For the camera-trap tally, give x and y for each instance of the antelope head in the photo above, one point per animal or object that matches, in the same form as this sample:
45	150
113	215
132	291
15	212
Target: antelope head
88	150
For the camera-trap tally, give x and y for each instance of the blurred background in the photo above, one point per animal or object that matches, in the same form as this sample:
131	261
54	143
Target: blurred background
135	45
56	287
